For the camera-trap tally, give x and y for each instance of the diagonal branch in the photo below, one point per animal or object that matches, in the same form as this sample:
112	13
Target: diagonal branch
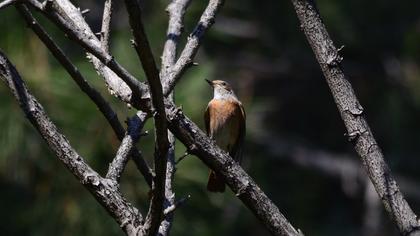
351	112
93	94
194	41
115	84
135	125
103	190
70	20
142	46
7	3
235	177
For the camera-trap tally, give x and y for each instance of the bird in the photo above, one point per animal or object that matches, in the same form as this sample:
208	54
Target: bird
224	120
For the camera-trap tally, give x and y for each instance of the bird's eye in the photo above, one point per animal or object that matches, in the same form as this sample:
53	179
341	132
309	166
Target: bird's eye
224	83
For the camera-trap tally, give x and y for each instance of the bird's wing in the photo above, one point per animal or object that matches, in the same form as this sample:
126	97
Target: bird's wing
237	148
207	119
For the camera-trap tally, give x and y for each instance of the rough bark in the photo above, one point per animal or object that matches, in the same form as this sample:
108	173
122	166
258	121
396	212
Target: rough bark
142	47
351	112
83	84
235	177
176	10
104	190
70	20
135	125
185	60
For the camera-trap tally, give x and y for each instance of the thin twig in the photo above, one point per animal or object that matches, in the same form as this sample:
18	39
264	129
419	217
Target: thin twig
181	158
176	205
351	111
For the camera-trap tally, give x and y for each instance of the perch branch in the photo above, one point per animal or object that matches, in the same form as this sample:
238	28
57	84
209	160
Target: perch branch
235	177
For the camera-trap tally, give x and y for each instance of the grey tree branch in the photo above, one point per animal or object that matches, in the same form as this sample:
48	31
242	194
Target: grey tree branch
235	177
106	25
7	3
351	112
115	84
176	10
194	41
94	95
142	47
111	77
166	224
127	216
70	20
135	125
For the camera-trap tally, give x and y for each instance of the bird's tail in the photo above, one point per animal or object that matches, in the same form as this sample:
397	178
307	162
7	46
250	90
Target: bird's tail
216	183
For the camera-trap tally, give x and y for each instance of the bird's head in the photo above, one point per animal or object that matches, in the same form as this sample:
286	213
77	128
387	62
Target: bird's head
221	88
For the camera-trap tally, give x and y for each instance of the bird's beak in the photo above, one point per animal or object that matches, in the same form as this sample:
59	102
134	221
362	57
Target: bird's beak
209	81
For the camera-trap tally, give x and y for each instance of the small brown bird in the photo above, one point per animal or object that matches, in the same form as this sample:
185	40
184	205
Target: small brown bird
225	123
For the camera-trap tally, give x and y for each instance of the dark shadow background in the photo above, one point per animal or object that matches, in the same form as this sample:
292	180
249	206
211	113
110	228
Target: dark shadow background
292	121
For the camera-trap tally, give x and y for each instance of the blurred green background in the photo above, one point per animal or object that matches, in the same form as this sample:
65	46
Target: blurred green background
291	119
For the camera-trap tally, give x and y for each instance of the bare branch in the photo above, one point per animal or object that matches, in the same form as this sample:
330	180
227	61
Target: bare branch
94	95
194	41
176	205
176	10
7	3
235	177
115	84
166	224
142	46
106	25
103	190
135	125
351	112
69	19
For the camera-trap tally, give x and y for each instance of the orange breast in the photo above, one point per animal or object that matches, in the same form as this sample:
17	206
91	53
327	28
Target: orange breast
224	122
